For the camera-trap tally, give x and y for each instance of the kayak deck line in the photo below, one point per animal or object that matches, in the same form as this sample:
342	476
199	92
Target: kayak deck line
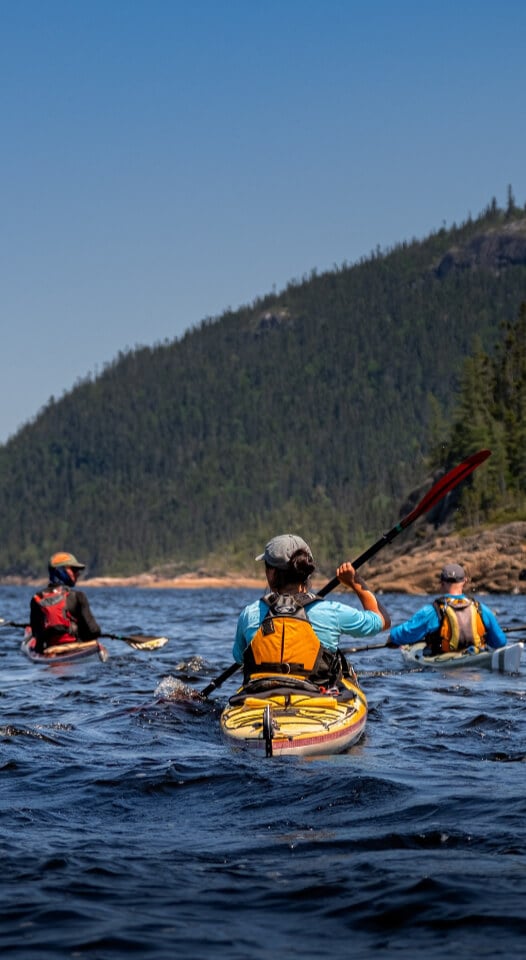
295	724
502	660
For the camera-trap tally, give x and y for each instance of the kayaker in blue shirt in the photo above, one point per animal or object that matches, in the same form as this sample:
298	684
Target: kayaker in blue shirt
453	621
291	630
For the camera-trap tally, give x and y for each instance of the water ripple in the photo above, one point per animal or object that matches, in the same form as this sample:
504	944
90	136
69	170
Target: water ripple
129	828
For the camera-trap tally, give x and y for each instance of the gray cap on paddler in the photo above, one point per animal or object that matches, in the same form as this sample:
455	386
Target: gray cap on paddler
452	573
279	550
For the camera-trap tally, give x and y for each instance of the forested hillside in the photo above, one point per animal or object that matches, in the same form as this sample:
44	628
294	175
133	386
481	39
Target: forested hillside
315	409
491	412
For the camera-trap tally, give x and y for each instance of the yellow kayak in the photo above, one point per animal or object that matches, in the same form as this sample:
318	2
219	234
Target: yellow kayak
275	718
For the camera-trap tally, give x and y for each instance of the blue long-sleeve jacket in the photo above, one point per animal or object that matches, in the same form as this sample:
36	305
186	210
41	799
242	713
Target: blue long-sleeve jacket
426	620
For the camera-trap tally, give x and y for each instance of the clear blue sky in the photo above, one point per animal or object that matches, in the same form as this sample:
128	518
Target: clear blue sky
163	160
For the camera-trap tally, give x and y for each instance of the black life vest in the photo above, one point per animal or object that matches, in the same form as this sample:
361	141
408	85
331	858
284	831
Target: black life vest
59	626
285	643
460	625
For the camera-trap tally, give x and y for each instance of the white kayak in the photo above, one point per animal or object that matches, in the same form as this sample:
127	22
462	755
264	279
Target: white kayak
504	660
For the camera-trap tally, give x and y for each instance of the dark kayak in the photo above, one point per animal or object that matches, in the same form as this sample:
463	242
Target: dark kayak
63	652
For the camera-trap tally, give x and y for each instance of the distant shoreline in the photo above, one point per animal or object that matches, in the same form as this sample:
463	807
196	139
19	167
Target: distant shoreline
146	581
190	581
494	559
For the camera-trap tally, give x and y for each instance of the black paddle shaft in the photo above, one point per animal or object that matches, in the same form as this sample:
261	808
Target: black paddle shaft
439	490
448	482
233	668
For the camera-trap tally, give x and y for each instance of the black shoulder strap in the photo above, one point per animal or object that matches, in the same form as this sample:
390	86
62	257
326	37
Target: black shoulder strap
51	589
287	604
440	605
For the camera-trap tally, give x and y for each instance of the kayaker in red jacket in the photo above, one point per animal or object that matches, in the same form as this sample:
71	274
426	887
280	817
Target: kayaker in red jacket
60	614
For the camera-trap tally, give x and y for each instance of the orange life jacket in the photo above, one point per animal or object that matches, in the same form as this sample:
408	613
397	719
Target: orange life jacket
59	626
285	643
460	626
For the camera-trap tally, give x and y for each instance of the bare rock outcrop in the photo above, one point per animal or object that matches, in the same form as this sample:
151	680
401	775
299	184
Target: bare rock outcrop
493	250
494	560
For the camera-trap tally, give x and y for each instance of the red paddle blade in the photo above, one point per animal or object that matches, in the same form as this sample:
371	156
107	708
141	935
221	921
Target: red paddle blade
446	483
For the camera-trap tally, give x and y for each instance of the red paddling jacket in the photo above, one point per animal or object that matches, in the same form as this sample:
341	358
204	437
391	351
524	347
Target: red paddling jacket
59	615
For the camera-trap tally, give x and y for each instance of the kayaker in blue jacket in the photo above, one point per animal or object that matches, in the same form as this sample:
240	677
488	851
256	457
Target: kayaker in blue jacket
60	614
292	631
453	621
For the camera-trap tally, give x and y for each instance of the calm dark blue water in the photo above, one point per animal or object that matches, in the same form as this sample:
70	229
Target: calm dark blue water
129	829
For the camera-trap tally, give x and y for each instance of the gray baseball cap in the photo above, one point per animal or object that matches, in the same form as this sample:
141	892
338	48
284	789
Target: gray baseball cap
452	573
279	550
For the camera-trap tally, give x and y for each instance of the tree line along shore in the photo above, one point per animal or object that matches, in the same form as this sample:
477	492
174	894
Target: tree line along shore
494	559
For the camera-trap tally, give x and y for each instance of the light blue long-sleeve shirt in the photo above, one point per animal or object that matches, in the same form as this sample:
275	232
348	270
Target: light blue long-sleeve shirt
426	620
329	618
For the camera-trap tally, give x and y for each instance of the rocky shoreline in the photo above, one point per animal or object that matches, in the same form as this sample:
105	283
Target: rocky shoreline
494	559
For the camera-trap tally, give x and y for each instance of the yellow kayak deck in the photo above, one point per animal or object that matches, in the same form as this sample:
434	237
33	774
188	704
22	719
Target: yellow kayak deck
295	723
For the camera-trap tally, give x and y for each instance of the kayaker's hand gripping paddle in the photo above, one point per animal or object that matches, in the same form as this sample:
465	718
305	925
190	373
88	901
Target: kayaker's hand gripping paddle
438	491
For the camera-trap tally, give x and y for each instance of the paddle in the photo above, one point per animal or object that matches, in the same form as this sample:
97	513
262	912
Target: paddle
394	646
503	659
370	646
214	684
138	641
101	649
448	482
